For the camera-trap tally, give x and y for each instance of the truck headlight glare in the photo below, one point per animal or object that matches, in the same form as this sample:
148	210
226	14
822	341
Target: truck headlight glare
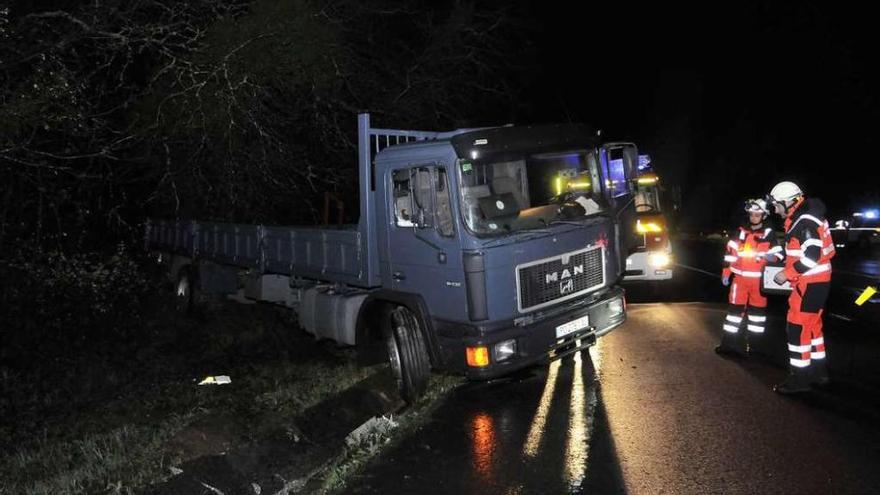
659	260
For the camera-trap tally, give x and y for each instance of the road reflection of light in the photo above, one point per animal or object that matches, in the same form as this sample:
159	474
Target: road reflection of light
536	431
596	354
483	443
576	447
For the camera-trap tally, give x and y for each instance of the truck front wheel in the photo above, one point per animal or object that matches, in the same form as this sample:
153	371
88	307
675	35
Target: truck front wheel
407	352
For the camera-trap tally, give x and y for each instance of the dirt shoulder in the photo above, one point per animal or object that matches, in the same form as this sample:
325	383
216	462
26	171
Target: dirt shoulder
125	417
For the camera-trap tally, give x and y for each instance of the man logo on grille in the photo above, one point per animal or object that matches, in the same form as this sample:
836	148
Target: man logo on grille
566	274
566	287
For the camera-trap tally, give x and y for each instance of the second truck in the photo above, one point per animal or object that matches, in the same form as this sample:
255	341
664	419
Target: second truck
651	258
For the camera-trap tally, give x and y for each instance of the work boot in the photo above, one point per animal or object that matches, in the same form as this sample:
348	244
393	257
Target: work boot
732	345
795	383
820	374
728	351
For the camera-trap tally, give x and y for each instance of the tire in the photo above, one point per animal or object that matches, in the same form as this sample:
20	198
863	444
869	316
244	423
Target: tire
407	352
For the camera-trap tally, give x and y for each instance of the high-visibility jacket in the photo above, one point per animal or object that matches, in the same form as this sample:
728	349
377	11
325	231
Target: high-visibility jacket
746	251
808	243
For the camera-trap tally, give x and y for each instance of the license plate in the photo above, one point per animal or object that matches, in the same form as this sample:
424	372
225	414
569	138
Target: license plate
573	326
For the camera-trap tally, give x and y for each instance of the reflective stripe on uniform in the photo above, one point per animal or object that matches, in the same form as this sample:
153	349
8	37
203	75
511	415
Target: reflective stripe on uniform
730	328
730	258
757	318
794	252
734	319
824	267
755	328
733	245
806	217
799	348
817	355
799	363
811	242
828	250
819	341
807	262
746	274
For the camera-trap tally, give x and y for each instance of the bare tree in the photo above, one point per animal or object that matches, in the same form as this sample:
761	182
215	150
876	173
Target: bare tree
227	109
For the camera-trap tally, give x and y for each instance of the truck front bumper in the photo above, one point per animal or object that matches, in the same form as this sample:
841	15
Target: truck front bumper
536	341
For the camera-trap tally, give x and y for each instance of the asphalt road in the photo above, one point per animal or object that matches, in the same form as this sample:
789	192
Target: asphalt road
651	409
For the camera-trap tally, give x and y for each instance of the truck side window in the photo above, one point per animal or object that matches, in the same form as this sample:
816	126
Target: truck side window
403	203
444	208
422	184
414	197
615	178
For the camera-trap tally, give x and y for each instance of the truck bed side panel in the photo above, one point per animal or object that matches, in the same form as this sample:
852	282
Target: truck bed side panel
335	255
230	244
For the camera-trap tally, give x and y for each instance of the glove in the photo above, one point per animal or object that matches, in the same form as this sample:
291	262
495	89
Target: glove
780	277
725	280
771	257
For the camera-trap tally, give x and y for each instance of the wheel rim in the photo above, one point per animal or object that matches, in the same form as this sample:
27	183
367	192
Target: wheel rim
183	293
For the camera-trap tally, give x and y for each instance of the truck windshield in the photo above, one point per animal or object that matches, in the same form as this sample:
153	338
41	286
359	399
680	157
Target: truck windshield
647	198
513	193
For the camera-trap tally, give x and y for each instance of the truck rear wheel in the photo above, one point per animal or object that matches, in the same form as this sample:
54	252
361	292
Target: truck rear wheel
407	352
186	293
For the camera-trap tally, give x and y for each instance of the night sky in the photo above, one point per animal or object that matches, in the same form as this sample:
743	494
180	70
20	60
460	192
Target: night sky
728	101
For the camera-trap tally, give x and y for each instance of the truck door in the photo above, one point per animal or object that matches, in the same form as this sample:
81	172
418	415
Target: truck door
619	165
423	250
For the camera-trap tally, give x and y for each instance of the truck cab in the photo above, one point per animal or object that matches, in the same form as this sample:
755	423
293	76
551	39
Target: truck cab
505	241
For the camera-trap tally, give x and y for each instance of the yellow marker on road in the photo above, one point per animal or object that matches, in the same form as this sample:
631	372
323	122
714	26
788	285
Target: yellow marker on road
869	291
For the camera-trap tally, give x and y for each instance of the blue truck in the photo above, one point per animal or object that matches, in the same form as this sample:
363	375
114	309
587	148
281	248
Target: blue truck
477	251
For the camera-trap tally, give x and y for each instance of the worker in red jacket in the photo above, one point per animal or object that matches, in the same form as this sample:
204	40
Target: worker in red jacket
747	252
808	252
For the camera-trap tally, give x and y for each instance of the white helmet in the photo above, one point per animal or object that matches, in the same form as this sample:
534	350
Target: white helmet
785	191
757	206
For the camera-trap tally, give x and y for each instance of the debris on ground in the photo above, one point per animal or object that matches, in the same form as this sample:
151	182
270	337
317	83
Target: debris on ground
216	380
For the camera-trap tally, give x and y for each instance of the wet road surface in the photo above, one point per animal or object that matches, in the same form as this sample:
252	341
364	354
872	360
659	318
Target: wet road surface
651	409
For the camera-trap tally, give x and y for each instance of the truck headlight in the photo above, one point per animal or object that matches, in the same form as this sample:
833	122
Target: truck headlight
505	349
615	307
659	260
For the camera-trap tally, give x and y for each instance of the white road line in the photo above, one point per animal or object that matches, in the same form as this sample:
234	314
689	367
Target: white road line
704	272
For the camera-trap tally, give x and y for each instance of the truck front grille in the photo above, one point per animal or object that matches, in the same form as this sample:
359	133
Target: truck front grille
551	280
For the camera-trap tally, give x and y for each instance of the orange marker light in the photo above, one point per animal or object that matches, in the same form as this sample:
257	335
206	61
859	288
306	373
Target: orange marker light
477	357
